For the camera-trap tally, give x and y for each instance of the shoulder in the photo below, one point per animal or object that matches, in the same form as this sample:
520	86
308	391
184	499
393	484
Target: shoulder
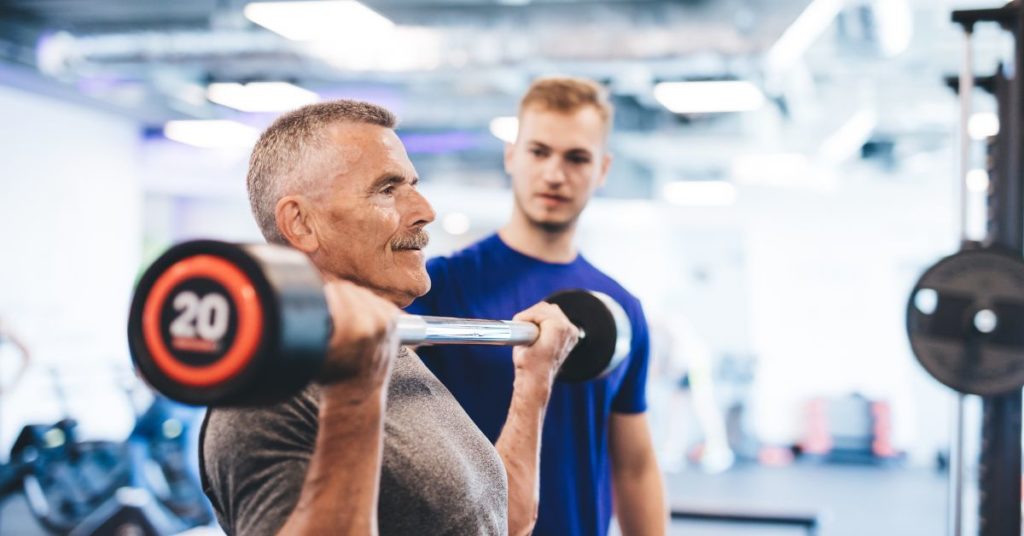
607	284
469	254
253	461
292	423
467	259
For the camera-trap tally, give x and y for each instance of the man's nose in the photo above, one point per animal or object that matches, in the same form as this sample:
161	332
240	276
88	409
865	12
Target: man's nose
420	211
554	173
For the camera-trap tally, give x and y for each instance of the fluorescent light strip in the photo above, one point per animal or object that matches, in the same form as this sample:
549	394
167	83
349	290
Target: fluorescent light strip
260	96
812	22
700	193
714	96
848	140
318	20
212	134
505	128
400	49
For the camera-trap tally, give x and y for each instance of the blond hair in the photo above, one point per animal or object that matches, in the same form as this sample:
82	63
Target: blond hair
568	94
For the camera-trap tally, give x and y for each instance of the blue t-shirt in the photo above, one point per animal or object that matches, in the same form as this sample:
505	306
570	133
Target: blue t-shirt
490	280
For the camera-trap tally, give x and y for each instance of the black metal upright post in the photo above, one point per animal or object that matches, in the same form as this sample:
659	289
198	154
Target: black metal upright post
999	478
999	468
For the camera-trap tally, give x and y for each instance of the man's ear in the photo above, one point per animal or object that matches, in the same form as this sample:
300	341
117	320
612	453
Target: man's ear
509	149
606	164
294	216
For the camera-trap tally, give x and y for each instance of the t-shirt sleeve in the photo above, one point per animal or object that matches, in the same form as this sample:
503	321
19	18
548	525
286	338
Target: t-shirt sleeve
632	394
255	463
427	304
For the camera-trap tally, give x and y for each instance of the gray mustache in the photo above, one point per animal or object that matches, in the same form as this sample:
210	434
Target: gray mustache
415	240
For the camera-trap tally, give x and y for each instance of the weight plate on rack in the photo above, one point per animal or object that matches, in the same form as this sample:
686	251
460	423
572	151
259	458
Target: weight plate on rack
965	320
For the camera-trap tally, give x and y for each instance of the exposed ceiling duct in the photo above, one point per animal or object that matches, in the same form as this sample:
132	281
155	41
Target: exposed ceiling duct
459	64
438	42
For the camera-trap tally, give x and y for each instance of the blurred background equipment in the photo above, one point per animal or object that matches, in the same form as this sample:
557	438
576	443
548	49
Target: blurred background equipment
79	487
163	453
63	479
851	429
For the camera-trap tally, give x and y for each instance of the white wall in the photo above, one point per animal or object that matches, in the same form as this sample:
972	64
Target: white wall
70	213
830	275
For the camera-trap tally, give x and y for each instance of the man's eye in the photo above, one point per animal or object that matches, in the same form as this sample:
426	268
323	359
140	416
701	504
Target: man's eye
540	153
579	159
388	190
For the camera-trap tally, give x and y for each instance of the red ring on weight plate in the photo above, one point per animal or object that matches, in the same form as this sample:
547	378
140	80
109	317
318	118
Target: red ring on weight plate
250	321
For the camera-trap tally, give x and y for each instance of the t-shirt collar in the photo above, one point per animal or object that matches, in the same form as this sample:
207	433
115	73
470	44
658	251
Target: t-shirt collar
496	238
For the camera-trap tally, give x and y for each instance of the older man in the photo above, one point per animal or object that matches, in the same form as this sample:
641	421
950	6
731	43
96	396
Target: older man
378	443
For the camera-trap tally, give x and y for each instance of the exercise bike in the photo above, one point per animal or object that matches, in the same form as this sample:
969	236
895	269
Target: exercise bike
141	486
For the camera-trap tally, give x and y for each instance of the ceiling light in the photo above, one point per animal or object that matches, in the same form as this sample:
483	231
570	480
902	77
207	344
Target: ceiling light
260	96
456	223
894	24
318	20
977	180
780	170
700	193
709	97
983	125
53	52
768	167
505	128
212	134
399	49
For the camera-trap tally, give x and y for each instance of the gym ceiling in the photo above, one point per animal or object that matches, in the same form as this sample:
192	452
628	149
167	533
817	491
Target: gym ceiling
458	64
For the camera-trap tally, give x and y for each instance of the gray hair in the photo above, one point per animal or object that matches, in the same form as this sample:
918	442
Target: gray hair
281	159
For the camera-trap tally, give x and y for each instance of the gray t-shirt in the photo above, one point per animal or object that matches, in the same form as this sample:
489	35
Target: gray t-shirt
440	475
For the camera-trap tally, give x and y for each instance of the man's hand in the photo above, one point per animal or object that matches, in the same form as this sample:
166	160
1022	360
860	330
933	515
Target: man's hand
519	443
542	359
363	344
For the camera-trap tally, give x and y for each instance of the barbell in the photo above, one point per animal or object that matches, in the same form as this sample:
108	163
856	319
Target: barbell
216	323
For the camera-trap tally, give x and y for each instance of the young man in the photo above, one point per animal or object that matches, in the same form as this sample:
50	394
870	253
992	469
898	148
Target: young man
377	445
596	443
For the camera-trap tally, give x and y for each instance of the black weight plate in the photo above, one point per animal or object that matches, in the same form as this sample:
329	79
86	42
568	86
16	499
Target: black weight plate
607	334
230	389
965	320
292	341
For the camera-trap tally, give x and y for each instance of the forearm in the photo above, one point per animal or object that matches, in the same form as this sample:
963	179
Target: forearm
519	448
640	502
339	494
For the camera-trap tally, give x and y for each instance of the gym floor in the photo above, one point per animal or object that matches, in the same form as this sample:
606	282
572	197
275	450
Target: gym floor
851	501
